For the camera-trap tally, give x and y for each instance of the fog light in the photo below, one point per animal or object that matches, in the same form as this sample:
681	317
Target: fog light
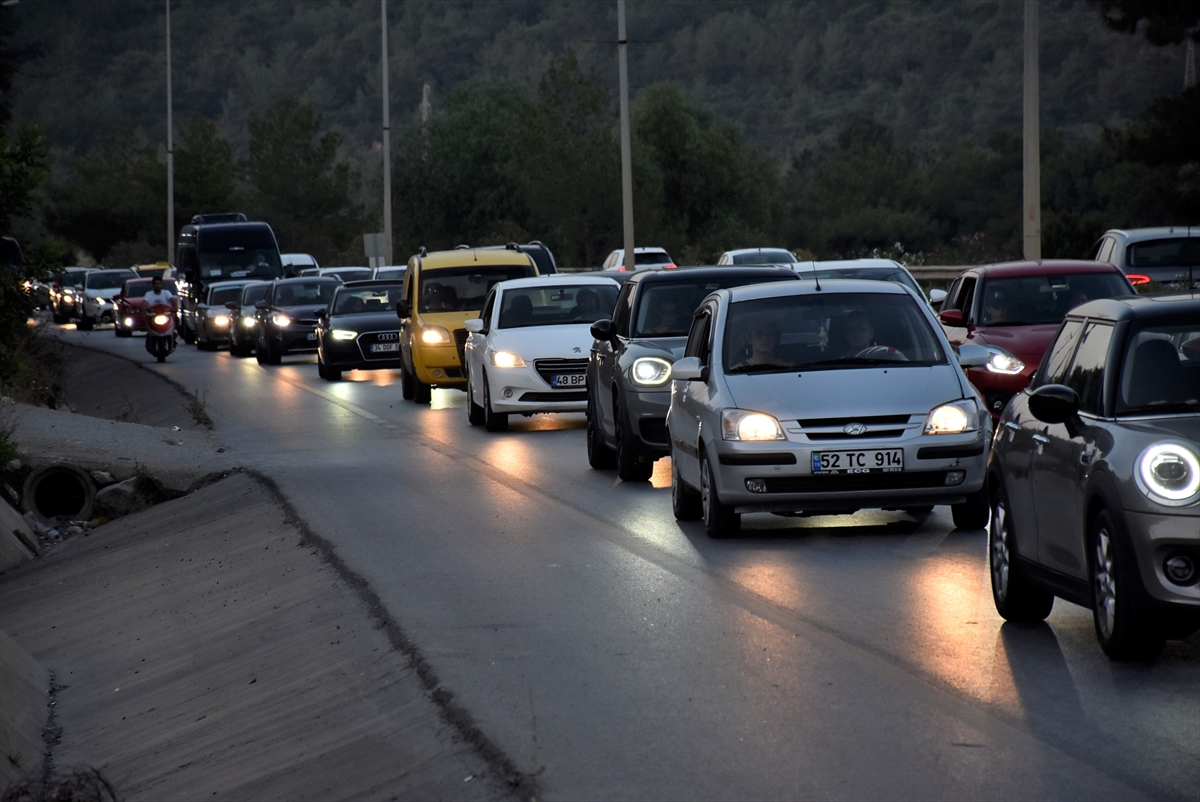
129	323
955	477
756	485
1179	569
437	373
508	393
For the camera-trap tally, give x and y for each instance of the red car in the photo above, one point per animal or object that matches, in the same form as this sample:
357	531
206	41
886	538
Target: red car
1014	310
129	305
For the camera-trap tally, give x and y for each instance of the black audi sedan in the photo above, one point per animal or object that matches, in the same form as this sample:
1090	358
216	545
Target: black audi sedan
287	317
359	330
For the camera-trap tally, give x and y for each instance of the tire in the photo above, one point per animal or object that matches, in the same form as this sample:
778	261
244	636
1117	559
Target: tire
1015	598
630	466
599	455
120	332
161	357
408	385
492	421
474	411
685	500
187	334
206	345
60	318
1121	609
86	323
974	512
260	355
239	350
332	375
270	355
720	521
919	512
422	392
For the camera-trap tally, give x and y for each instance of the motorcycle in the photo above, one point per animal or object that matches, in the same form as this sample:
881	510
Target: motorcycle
160	331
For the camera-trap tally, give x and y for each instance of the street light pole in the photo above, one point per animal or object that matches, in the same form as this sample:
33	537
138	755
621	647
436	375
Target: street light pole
387	147
170	152
626	157
1032	167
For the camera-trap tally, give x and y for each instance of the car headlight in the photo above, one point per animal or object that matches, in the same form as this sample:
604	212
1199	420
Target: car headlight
281	320
221	320
504	359
953	418
1003	362
247	321
102	301
343	334
68	291
1168	473
128	322
650	371
435	335
742	424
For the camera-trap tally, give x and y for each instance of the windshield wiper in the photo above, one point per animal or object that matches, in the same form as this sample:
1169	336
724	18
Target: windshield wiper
851	360
1163	408
762	368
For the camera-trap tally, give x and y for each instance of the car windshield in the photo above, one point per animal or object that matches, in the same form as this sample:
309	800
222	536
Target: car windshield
1160	373
665	308
350	273
302	293
463	289
828	331
1033	300
138	289
376	298
389	272
765	256
248	263
868	274
557	305
223	295
1173	252
254	293
106	280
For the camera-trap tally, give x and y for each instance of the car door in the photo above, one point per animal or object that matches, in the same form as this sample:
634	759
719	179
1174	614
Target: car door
1061	462
410	295
688	398
475	349
962	298
605	356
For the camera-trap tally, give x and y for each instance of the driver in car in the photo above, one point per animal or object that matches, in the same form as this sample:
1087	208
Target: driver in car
665	317
852	334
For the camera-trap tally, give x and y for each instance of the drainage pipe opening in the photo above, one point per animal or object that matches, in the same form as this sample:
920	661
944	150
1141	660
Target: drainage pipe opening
59	491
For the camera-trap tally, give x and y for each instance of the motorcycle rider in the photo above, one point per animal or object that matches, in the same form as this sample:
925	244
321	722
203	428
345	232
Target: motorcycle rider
160	297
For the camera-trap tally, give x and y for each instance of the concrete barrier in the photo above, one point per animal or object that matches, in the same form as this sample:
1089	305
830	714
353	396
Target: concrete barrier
17	543
24	688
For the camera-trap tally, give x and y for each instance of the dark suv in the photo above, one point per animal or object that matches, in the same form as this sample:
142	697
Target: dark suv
287	318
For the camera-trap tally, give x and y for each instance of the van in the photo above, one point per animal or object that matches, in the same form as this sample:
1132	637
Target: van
209	252
442	290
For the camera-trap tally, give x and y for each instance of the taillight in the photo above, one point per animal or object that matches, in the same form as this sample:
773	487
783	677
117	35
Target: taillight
670	266
1137	278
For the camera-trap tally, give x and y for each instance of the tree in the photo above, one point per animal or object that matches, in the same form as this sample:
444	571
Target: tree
205	171
23	167
1168	22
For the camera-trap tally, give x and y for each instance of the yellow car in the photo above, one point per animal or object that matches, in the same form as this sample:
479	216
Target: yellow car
442	290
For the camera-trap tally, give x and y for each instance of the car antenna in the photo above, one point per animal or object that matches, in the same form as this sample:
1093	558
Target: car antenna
816	280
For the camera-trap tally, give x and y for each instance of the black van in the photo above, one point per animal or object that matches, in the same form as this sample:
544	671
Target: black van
208	252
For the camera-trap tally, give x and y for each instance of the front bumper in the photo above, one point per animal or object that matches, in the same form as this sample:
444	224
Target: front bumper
647	418
357	354
998	388
1157	537
523	390
438	364
938	469
295	338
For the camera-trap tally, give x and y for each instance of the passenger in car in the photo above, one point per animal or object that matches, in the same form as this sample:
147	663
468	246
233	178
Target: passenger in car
666	317
995	307
762	340
587	306
850	334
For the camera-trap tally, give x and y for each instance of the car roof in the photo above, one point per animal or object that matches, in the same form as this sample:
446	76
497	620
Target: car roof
555	280
228	283
1046	267
735	251
1140	307
647	249
308	280
373	282
845	264
753	292
465	257
1162	232
690	274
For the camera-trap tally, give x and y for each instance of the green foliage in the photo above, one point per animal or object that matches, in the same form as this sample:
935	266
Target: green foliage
22	169
1168	22
205	171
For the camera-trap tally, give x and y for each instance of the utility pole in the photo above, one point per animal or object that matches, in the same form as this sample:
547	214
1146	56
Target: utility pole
170	152
1032	207
626	157
387	147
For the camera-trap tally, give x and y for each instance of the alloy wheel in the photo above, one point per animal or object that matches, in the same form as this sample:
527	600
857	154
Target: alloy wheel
1106	584
1000	549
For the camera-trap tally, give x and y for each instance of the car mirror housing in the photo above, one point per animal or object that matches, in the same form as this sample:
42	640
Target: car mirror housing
1057	403
261	305
403	309
231	305
951	317
603	330
936	297
689	369
971	355
474	325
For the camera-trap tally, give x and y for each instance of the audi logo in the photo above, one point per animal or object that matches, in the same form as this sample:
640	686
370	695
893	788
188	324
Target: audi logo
391	335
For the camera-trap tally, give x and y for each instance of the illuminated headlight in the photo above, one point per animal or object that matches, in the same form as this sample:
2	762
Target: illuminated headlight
102	301
342	334
282	321
221	320
955	418
650	371
161	320
742	424
1004	362
68	291
435	335
247	321
1168	473
129	323
504	359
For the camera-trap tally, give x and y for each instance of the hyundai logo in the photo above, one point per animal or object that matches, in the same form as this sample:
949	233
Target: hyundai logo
854	429
391	335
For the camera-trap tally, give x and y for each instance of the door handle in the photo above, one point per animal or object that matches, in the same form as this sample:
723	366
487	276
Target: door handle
1009	424
1087	455
1041	438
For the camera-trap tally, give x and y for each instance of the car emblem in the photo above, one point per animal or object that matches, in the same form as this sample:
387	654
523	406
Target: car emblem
577	350
854	429
391	335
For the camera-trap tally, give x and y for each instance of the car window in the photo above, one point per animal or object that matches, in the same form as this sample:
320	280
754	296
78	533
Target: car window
104	280
653	258
462	289
1172	252
773	256
254	293
826	330
223	295
304	292
966	294
1106	250
1030	300
1160	371
138	289
1058	355
375	299
556	306
621	312
895	274
488	307
665	308
697	344
1086	374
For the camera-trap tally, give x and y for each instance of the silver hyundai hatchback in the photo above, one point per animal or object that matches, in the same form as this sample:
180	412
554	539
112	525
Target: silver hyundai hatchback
824	397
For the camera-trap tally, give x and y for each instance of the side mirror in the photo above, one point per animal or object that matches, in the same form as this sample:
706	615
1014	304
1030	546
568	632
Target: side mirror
474	325
261	305
232	305
603	330
403	309
689	369
971	355
936	297
120	296
1057	403
951	317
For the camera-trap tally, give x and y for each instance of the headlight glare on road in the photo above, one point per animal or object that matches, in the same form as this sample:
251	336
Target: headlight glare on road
954	418
1004	362
282	321
505	359
1168	473
744	425
650	371
343	334
435	335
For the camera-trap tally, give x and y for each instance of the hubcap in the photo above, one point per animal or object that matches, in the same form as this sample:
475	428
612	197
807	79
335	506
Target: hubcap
1000	565
1106	584
706	492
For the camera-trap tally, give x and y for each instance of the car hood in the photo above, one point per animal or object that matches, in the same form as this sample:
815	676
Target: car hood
846	393
366	321
568	341
298	312
1027	343
669	348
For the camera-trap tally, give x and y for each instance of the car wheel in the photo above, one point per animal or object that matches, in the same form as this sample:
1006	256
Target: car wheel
122	332
719	519
86	323
60	318
422	392
332	374
271	355
630	466
474	411
408	384
974	512
599	455
1016	600
919	512
492	421
238	350
206	344
187	334
1120	606
685	500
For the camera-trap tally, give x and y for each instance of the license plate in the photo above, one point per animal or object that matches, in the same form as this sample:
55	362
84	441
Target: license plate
312	335
379	348
872	460
568	380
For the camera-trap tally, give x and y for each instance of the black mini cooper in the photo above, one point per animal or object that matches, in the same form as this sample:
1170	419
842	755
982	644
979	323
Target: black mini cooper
287	317
359	330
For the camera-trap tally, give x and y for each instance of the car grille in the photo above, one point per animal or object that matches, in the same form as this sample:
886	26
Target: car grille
825	423
460	342
654	430
306	321
550	398
367	339
553	367
870	434
871	481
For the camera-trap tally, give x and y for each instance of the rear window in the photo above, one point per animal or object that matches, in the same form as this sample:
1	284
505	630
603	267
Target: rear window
374	299
764	257
665	308
1175	252
556	306
1032	300
659	258
463	289
351	274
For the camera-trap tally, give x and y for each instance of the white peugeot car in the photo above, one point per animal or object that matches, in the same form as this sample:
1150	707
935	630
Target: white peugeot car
528	350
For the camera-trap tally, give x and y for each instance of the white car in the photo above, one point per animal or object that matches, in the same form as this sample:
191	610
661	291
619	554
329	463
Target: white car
870	270
344	274
295	263
642	257
389	273
528	350
94	303
757	256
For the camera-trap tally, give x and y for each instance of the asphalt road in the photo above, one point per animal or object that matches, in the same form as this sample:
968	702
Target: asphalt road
613	652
